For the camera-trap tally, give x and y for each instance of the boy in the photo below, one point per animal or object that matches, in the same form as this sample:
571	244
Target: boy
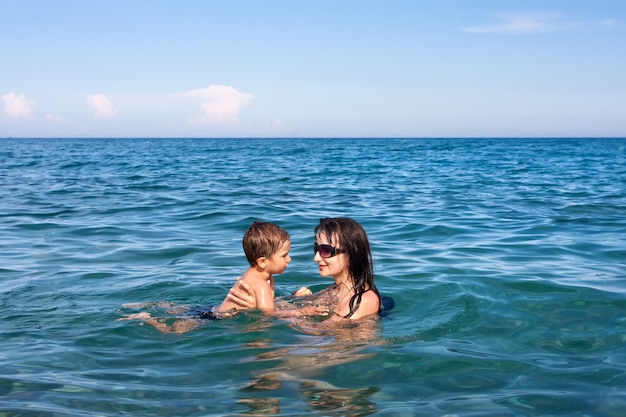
266	246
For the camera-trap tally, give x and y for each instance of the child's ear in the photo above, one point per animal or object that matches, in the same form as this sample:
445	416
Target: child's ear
261	262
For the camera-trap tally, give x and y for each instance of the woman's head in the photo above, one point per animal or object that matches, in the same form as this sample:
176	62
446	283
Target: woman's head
352	248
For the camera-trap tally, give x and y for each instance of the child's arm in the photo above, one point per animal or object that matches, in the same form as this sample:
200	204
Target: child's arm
264	297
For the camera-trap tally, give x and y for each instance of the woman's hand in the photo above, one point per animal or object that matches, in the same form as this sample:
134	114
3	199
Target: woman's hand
316	310
242	295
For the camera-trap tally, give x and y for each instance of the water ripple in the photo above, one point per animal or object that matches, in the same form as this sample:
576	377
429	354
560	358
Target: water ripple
505	259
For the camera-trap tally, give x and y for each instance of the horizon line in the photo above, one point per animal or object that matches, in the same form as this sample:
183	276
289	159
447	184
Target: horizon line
307	137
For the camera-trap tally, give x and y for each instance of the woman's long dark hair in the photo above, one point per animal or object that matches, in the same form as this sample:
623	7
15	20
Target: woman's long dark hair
353	240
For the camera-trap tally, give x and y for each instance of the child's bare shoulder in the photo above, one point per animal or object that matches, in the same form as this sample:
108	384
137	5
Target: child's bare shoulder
252	281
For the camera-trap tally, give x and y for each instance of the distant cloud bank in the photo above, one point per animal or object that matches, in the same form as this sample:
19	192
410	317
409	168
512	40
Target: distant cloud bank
215	105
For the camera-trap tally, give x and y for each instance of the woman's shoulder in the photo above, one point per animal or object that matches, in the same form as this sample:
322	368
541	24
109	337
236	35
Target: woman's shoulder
371	297
370	304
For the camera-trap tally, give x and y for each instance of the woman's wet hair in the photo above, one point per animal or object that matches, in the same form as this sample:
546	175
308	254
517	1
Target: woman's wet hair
347	234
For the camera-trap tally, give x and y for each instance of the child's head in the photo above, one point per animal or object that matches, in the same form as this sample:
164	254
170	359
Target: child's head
263	239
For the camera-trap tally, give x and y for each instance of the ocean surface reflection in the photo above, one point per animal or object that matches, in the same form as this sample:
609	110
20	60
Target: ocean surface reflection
505	259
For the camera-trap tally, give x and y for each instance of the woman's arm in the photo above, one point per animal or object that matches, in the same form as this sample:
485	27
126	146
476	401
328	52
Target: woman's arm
301	312
242	295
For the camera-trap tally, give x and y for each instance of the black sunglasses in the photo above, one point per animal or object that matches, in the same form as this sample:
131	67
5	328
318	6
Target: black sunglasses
326	251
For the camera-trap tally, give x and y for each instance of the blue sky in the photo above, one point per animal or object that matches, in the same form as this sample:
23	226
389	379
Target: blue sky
336	68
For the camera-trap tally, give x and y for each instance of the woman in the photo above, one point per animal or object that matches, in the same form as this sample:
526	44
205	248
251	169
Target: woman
342	251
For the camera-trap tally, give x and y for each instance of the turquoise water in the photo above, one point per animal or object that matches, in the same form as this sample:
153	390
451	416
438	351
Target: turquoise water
506	259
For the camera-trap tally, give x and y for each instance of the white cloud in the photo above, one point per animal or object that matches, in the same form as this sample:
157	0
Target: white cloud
220	104
530	23
101	106
16	105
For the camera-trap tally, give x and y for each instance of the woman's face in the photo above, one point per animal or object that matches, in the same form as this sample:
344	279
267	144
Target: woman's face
335	266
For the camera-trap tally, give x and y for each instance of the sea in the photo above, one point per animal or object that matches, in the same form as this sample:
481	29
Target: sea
505	259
